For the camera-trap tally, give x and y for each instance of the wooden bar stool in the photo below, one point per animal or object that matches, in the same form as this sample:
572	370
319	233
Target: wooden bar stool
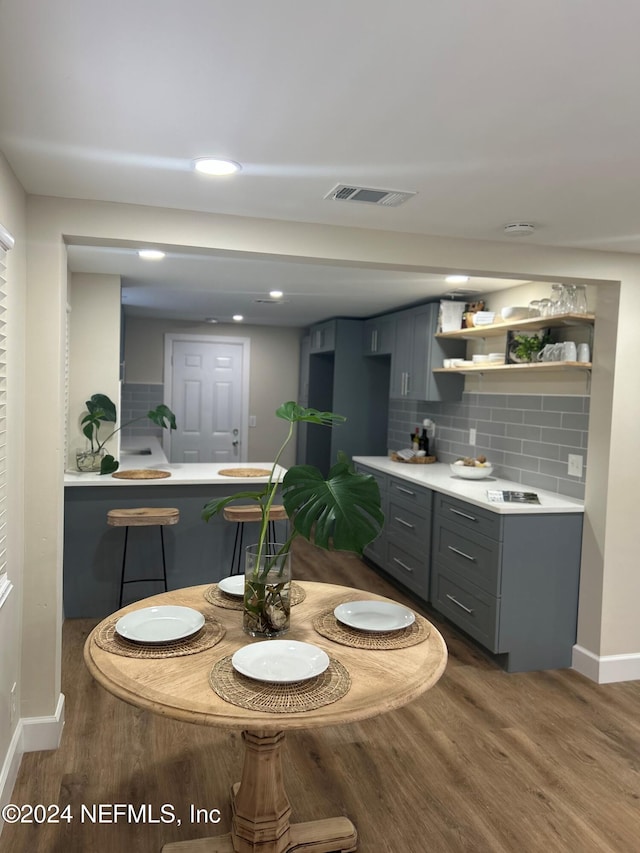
142	517
244	514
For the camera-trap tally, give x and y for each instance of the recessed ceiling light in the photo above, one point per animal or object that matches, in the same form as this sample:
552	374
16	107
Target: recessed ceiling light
457	279
211	320
216	166
276	294
238	318
151	254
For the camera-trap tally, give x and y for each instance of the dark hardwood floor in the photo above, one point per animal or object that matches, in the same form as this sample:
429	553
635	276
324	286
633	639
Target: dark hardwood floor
485	762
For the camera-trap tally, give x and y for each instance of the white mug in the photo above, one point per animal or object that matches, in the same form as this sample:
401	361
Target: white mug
584	356
569	352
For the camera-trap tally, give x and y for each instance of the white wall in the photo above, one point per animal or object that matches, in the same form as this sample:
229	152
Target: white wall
273	379
610	584
13	218
94	352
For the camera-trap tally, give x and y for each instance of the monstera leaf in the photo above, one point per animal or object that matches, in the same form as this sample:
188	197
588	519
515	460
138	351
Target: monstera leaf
342	512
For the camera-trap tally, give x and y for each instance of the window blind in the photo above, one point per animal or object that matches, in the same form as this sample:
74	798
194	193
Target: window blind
6	243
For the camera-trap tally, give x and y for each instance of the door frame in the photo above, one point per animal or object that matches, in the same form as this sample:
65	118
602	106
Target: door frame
172	337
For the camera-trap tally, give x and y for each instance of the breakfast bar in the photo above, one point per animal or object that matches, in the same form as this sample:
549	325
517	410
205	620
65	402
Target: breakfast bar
197	552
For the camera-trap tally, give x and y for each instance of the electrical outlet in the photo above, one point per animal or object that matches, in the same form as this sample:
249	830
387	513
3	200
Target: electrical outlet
472	436
574	465
14	703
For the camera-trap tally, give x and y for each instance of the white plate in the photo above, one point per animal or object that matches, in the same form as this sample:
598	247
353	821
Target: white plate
278	661
374	615
233	585
159	624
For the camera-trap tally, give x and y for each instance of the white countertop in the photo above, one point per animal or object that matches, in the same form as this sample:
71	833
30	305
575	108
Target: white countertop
439	478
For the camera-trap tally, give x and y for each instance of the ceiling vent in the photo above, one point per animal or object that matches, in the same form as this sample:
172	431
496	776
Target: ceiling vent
368	195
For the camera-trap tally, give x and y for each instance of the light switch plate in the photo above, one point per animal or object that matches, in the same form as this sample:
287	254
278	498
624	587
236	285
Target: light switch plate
252	420
472	436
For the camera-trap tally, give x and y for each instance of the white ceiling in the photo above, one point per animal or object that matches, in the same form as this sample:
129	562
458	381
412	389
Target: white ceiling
490	111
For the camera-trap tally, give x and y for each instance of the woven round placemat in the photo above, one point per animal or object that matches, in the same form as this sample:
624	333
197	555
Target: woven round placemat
207	637
245	472
141	474
327	625
214	595
279	698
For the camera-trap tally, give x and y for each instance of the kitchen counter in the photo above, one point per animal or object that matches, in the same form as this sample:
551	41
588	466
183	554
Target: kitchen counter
185	473
197	551
438	477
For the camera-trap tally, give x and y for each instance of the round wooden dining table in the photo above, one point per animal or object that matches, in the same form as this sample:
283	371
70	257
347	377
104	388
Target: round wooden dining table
180	688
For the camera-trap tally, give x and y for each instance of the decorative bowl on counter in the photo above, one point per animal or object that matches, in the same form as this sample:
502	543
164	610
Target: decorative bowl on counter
472	472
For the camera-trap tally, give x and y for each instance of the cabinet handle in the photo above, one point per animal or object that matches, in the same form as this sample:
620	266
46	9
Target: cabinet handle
374	340
463	514
407	385
406	491
455	601
402	521
402	565
461	553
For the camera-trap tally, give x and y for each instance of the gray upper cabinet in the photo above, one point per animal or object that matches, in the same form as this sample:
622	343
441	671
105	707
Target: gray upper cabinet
417	351
379	336
322	337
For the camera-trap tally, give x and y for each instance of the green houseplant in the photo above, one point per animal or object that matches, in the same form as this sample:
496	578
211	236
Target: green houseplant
527	347
340	513
100	409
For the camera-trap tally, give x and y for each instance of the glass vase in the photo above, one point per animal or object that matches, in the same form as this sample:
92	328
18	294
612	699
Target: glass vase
267	590
89	461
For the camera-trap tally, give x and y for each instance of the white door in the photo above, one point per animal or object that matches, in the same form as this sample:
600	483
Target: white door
207	391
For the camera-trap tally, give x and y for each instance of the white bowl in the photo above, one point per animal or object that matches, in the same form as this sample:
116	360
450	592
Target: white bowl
477	472
515	312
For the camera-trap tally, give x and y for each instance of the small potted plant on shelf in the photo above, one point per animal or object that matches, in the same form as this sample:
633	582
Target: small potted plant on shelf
340	513
100	409
525	348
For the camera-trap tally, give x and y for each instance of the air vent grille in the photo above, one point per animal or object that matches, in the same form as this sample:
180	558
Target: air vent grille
369	195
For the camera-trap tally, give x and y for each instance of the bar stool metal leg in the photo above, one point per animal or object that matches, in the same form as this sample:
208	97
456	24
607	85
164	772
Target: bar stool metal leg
164	562
124	560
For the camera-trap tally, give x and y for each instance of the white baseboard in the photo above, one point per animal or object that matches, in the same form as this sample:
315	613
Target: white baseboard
43	732
31	735
10	767
606	669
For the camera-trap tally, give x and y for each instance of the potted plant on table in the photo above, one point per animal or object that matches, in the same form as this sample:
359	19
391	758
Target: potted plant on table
341	513
100	409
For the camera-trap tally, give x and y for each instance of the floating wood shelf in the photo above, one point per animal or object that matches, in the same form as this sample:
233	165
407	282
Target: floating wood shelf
542	367
533	324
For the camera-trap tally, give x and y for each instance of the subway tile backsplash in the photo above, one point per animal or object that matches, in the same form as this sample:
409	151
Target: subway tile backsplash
135	401
528	437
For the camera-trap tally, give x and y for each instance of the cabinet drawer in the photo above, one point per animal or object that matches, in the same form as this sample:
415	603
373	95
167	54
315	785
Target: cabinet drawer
469	516
412	495
408	566
412	524
473	556
470	608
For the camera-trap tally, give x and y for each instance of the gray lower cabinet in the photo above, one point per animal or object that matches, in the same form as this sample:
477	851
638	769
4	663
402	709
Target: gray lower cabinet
403	548
509	581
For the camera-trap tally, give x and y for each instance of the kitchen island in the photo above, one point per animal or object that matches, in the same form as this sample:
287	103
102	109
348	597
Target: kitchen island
197	552
505	573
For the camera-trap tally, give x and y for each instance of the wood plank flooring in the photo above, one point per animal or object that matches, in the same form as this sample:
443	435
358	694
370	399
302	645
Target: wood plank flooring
484	763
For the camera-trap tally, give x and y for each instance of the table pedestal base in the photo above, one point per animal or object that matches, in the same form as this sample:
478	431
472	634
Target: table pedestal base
261	812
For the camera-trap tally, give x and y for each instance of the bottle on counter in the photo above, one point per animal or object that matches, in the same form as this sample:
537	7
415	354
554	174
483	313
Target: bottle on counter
423	442
415	440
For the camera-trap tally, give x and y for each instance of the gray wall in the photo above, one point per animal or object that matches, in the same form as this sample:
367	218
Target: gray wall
526	436
135	400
